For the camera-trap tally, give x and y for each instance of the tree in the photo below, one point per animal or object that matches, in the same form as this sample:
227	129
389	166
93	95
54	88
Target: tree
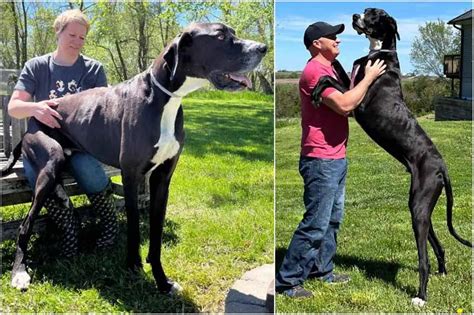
20	25
43	38
436	39
254	20
125	36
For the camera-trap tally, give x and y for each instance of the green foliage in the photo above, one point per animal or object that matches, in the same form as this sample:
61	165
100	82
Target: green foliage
43	38
7	47
420	92
126	36
435	40
287	102
283	74
253	20
220	224
376	246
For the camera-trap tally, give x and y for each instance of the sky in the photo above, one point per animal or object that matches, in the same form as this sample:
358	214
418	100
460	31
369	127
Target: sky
292	18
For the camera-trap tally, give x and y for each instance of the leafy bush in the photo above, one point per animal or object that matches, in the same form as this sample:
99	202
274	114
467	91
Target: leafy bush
287	102
283	74
419	93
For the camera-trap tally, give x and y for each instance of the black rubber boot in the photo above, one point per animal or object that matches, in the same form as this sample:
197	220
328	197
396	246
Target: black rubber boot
103	203
62	214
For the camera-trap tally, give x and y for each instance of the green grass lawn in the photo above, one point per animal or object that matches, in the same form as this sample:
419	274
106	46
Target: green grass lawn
220	223
376	245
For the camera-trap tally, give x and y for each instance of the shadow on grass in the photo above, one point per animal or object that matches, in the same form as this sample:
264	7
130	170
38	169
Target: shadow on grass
238	302
106	272
372	269
224	131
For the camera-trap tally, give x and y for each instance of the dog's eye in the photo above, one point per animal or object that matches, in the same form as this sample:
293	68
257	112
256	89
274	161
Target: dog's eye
221	37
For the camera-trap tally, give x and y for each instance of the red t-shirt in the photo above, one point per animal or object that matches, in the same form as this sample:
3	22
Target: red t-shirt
324	132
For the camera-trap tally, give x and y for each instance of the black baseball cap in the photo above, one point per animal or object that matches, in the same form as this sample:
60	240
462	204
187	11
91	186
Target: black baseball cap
320	29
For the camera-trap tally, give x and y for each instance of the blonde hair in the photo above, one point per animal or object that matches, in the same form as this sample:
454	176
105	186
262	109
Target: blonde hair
69	16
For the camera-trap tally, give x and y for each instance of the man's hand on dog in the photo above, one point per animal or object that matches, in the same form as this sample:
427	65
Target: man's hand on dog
372	71
47	115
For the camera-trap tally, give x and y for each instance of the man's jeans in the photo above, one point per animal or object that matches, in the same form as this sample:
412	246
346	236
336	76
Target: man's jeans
85	169
314	242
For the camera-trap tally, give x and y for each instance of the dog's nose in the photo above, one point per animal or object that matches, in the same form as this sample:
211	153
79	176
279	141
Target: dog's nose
355	17
262	48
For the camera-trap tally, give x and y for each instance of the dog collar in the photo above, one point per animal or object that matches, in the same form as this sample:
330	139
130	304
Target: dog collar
373	51
161	87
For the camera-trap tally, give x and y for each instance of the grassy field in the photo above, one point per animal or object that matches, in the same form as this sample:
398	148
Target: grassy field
220	223
376	243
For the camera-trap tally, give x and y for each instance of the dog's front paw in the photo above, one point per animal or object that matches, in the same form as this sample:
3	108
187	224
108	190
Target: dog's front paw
21	280
170	288
135	265
418	302
175	289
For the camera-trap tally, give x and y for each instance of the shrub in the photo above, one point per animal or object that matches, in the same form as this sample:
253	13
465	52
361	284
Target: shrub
283	74
420	92
287	100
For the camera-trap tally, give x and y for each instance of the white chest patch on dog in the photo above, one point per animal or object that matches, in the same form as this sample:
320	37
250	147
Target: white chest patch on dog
191	84
167	146
375	44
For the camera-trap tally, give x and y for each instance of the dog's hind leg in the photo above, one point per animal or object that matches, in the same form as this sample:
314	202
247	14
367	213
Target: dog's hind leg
424	192
131	180
438	250
48	160
159	189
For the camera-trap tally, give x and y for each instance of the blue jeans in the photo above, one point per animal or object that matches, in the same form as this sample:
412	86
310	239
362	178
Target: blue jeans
85	169
313	246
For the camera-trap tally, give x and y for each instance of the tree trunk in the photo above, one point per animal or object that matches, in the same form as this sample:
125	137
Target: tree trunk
24	38
17	37
142	36
116	67
122	62
163	34
253	79
264	84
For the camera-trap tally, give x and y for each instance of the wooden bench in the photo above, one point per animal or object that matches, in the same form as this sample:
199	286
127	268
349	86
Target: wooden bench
15	190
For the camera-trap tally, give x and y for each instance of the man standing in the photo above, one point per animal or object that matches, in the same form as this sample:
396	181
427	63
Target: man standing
323	164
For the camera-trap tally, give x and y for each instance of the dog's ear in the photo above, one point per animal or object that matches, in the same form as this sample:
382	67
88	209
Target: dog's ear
171	55
393	25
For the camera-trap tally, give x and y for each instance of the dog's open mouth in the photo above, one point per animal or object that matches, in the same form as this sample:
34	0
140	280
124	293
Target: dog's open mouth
358	28
240	78
230	81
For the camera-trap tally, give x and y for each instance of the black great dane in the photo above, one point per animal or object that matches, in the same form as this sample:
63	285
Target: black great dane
136	126
385	117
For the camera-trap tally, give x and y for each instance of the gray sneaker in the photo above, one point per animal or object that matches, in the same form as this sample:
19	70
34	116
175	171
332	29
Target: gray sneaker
334	278
298	292
339	278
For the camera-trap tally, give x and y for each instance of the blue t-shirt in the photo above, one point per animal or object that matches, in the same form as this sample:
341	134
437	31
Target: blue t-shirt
44	79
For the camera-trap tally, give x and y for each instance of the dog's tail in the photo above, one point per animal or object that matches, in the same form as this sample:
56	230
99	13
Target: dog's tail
449	206
11	160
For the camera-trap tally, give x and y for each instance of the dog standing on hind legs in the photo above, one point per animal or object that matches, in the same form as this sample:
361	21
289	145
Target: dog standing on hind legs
385	117
136	126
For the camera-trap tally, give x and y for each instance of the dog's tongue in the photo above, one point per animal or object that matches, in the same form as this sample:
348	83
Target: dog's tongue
241	79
